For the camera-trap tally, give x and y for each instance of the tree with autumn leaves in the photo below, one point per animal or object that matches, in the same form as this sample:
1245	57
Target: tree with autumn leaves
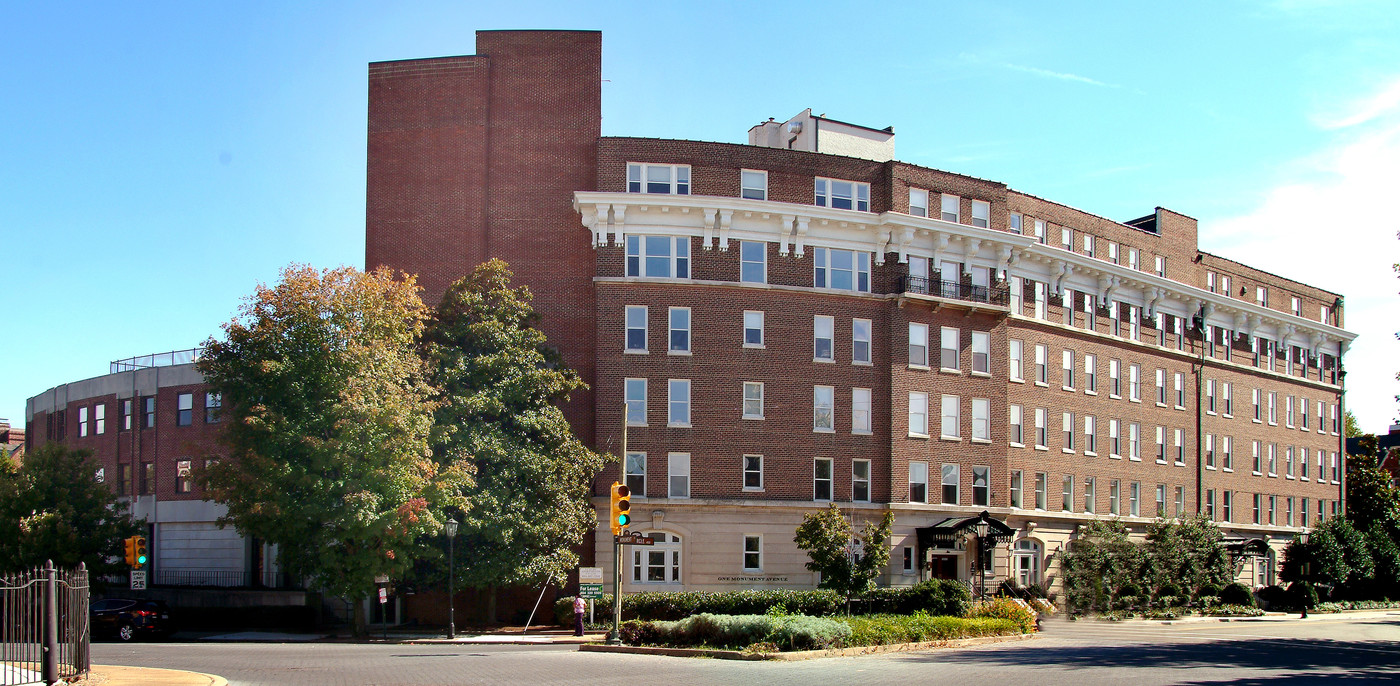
360	420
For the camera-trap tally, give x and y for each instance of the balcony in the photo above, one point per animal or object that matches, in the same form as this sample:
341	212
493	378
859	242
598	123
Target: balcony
955	290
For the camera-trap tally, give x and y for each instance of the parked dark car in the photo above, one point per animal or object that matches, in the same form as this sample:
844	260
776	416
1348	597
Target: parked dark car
126	618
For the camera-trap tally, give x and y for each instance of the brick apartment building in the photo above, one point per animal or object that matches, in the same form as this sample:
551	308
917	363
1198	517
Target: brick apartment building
765	315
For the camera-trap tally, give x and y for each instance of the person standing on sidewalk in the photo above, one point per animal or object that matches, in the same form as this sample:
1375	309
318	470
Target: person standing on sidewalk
579	607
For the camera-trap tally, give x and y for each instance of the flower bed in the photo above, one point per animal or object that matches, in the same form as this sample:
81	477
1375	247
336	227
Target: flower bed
766	633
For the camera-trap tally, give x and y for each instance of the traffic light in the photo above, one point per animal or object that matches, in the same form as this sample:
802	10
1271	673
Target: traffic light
621	507
129	543
139	543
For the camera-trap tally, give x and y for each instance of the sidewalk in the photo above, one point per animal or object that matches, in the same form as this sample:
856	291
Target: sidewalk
116	675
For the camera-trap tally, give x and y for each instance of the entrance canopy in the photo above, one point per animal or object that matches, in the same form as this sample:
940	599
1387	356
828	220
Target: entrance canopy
1240	547
947	533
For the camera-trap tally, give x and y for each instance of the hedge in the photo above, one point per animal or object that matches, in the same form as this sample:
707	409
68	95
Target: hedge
874	630
798	632
936	597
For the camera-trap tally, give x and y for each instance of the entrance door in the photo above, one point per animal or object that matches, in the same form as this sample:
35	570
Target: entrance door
943	566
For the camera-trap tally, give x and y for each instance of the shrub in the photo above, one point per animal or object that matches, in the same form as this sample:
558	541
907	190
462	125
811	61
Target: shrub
1274	598
1012	609
1168	589
1205	601
790	632
875	630
1237	594
1233	611
1207	590
1165	613
655	605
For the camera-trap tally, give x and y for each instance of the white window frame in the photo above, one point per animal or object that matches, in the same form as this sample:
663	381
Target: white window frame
918	414
1016	422
981	420
824	272
1091	374
744	471
982	214
677	329
635	474
943	350
918	481
753	184
752	317
1042	365
861	341
955	472
677	181
825	194
949	205
859	482
860	410
823	330
982	353
984	474
1015	354
918	345
817	479
639	258
824	409
753	550
631	387
752	406
677	467
675	404
951	417
1042	431
746	260
918	202
83	420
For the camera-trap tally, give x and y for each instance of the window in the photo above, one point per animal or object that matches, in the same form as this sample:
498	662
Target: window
1288	411
1067	365
860	481
678	475
1133	258
753	553
918	202
126	416
753	184
1067	239
1258	413
680	330
753	329
659	563
1179	447
1297	307
1161	500
1115	379
948	208
1134	496
635	391
1014	359
1088	245
184	411
1273	510
148	478
148	405
1013	222
1041	478
636	473
1324	316
753	400
1016	479
860	410
83	421
1039	295
981	352
1179	387
678	403
1135	441
951	418
99	412
1261	296
1227	506
673	179
1067	424
1113	491
1091	436
843	195
981	214
1017	423
1091	374
1336	469
1227	398
658	256
753	472
124	479
1115	441
753	262
908	559
183	483
1288	470
1210	396
1135	383
1040	231
823	328
981	419
918	482
1273	459
1161	266
1090	486
636	328
1227	457
1210	451
948	355
1041	437
1303	413
918	414
1303	513
1042	373
981	486
918	344
951	480
1162	387
1273	408
823	410
841	269
860	341
821	478
1067	493
1162	445
213	407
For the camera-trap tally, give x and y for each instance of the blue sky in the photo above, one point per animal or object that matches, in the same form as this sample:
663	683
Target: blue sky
159	160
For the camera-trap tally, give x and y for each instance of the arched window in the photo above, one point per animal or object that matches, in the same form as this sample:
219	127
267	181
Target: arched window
659	563
1025	557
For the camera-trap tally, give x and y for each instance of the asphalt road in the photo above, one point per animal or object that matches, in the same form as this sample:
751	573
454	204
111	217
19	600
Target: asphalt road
1324	650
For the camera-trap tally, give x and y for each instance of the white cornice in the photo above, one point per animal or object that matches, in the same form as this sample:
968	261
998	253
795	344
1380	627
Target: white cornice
794	227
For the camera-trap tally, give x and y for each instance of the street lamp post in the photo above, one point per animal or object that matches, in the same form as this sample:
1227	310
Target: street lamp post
981	550
451	578
1304	584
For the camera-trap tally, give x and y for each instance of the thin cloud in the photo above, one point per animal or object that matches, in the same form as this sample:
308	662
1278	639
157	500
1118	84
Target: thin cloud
1383	102
1062	76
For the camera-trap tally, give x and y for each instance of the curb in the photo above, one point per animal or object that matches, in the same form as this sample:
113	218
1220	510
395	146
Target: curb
804	654
1268	617
122	675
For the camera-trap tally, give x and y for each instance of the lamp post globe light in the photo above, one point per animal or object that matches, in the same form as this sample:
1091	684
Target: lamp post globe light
981	527
451	530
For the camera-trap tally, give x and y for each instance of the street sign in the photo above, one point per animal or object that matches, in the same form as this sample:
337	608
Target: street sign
381	579
590	591
138	580
383	595
590	575
634	538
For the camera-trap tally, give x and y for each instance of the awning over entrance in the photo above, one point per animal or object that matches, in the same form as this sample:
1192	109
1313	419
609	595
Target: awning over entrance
947	533
1241	547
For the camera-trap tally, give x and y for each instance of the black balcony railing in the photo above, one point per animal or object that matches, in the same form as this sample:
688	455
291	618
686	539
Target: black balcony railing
955	290
216	579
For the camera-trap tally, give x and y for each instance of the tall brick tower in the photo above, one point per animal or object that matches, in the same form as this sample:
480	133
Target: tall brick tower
478	156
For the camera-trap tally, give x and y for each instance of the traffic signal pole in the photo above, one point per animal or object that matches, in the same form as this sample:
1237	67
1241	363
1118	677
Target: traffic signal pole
615	636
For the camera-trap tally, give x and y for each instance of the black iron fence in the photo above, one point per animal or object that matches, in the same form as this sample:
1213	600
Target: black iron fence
44	631
955	290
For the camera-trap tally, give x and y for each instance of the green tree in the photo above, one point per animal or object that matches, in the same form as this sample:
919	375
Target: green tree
498	417
329	415
1371	496
52	507
1101	567
1186	554
830	542
1350	425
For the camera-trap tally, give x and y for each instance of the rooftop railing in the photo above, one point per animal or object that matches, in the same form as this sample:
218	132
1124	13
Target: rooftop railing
167	359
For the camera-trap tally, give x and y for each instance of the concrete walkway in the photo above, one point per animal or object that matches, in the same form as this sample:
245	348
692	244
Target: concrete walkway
116	675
